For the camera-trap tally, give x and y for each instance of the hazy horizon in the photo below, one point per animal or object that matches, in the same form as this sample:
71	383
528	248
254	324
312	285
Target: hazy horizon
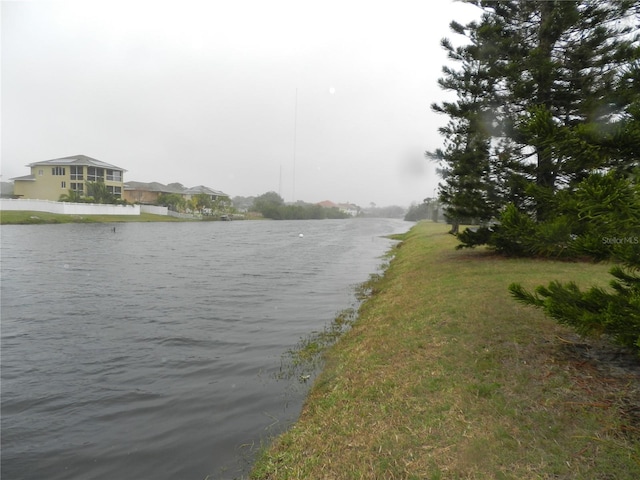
316	102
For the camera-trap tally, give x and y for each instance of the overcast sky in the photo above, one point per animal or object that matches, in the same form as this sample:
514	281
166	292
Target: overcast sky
313	100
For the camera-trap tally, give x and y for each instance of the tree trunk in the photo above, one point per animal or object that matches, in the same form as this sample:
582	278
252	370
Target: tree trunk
544	76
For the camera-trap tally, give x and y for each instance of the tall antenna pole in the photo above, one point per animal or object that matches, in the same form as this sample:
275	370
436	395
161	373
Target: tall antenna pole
295	142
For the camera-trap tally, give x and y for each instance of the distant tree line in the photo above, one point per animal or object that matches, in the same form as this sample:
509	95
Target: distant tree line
391	211
429	209
542	146
271	205
200	203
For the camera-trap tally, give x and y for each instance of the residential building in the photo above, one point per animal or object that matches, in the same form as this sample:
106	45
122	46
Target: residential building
51	178
348	208
147	193
189	193
328	204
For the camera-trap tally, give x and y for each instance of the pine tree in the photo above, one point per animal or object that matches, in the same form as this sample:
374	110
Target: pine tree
615	313
559	78
610	207
564	81
558	63
468	189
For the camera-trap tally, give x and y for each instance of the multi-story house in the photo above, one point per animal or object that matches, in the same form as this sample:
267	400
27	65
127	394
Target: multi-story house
149	192
51	178
189	193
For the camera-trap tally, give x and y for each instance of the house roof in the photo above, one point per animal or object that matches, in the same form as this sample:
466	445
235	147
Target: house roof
25	178
202	189
350	206
172	188
154	187
77	160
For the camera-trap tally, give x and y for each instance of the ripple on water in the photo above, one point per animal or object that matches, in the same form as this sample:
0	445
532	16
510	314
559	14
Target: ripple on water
154	352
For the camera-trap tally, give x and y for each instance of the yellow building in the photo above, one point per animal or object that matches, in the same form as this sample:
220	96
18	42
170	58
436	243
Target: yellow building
51	178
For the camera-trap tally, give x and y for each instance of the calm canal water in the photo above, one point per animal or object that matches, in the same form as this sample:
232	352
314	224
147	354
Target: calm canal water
154	351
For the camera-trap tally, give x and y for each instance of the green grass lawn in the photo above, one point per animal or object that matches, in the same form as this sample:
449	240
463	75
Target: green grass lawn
444	375
9	217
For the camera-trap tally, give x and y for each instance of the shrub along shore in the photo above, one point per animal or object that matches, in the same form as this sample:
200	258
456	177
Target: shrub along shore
444	375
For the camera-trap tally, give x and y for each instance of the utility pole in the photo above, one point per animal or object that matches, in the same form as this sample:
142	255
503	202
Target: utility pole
295	144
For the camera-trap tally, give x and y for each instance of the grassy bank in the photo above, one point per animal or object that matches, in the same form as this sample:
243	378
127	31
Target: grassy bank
10	217
443	375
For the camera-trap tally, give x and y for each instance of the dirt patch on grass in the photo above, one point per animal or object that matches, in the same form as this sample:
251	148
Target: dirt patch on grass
608	375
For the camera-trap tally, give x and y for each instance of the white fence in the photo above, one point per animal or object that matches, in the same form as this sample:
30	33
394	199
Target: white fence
67	208
156	210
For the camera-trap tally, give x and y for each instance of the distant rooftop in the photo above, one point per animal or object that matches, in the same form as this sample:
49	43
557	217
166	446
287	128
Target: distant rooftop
203	189
25	178
172	188
154	187
77	160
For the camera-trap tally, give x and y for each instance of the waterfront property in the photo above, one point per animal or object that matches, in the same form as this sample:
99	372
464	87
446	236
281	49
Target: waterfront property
348	208
201	189
149	192
50	179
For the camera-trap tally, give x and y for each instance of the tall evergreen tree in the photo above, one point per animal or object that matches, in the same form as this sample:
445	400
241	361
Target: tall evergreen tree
558	78
468	189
